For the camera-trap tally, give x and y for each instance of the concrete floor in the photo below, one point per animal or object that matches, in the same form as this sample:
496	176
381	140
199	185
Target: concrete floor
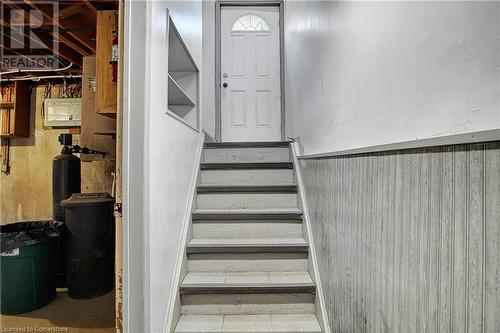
68	315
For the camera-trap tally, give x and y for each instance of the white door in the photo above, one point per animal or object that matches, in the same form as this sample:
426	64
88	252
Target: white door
250	74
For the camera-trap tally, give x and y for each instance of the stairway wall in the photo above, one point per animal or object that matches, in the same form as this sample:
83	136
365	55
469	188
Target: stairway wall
366	73
408	241
160	159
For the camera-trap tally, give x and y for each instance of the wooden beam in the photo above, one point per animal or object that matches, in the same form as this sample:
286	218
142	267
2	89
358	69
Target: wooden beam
44	42
60	36
70	10
73	45
89	4
84	40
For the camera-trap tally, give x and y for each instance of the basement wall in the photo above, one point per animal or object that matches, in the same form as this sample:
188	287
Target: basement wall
26	191
409	240
362	74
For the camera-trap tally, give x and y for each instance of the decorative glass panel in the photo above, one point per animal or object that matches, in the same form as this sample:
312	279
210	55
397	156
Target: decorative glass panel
250	22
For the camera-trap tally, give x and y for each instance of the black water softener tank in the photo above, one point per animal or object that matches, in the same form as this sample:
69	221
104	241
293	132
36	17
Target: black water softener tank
66	180
66	176
90	244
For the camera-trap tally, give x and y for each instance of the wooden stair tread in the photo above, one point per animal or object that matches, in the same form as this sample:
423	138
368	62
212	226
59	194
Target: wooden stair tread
228	277
267	323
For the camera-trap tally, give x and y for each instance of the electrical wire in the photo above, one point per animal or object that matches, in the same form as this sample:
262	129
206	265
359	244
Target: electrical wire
36	70
39	78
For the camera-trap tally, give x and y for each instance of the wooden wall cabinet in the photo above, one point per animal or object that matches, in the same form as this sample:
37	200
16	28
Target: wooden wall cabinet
107	22
97	131
15	110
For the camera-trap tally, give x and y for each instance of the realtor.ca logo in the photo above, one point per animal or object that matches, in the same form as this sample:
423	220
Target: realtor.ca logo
29	35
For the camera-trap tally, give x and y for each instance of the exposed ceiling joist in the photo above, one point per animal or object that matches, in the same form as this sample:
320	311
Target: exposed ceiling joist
68	28
83	51
41	41
65	24
90	6
70	10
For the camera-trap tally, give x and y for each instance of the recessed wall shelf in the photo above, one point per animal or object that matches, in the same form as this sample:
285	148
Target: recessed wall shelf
183	79
177	96
180	59
7	105
111	134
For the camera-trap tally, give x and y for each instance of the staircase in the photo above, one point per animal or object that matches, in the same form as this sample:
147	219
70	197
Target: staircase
247	263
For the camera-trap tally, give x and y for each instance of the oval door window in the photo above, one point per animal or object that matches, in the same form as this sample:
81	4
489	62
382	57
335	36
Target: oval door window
250	22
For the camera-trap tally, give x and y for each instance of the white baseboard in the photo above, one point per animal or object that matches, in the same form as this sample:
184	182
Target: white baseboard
173	311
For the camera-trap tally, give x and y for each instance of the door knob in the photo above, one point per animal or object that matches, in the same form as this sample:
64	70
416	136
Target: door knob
224	84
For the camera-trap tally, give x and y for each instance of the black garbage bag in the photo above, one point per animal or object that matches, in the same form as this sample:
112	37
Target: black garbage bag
21	234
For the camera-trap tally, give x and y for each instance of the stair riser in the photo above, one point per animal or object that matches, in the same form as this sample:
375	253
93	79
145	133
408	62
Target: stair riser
246	230
247	200
243	216
256	290
248	262
248	304
232	155
246	177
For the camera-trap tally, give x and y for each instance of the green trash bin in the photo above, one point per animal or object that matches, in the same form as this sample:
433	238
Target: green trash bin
28	260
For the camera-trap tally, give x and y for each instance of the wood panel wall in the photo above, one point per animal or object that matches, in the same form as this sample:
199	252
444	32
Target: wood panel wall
409	241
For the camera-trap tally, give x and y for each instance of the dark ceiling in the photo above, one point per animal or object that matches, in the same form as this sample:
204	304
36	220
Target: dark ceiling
65	30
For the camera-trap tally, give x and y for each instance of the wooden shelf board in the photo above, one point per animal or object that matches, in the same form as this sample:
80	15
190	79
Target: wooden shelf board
112	134
108	114
176	96
7	105
12	136
7	136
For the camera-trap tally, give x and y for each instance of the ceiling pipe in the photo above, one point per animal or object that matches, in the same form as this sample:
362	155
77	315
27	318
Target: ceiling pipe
36	70
39	78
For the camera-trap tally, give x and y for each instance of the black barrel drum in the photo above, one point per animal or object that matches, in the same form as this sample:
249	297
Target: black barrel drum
90	244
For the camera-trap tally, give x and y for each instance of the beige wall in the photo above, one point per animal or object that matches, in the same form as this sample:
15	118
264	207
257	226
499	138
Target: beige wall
26	192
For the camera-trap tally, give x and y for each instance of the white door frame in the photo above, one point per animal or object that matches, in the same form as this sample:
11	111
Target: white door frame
233	3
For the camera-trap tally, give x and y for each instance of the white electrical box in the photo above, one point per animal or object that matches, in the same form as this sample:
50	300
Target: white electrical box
63	112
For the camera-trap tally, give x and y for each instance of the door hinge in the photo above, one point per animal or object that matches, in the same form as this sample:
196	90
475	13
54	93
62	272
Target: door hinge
117	209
